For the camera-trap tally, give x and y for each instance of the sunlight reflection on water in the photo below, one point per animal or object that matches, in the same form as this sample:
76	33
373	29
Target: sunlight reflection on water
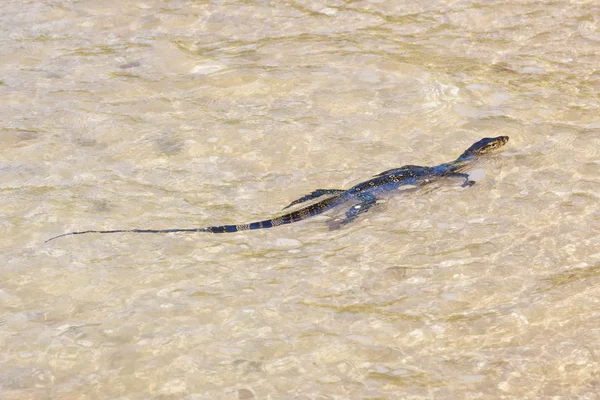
185	114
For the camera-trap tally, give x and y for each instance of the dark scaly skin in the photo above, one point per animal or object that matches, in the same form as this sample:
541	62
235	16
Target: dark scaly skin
365	193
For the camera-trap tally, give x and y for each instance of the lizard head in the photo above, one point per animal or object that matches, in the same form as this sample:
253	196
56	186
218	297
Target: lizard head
484	146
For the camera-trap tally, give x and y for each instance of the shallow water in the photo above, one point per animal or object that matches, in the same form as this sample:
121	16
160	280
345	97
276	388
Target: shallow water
170	114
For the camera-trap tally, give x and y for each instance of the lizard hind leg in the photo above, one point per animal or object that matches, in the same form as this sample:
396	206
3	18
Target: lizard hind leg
353	212
314	195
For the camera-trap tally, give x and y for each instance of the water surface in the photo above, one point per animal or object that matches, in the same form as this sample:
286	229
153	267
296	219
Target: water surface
162	114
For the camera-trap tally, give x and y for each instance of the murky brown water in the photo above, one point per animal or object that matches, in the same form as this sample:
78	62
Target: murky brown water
161	114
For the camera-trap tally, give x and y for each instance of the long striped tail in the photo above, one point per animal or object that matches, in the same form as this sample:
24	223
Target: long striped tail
298	215
295	216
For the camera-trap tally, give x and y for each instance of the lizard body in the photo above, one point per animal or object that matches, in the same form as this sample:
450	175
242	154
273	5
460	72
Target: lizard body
365	194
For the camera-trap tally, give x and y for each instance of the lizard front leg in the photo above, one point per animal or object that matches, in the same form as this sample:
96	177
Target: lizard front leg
466	176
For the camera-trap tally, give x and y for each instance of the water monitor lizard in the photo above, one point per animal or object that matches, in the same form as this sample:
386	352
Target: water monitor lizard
364	194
